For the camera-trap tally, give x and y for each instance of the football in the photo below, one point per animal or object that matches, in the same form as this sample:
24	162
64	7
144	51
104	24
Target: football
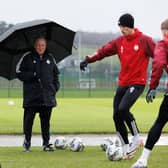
60	142
106	142
76	145
114	153
11	102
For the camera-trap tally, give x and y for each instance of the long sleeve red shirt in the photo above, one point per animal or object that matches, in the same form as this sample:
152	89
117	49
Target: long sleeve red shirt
133	52
160	63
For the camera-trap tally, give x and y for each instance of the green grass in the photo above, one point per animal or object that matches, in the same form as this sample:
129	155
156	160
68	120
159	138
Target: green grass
82	115
72	92
91	157
76	115
63	92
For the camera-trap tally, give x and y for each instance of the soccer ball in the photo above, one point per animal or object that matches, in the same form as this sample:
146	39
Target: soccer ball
11	102
76	145
114	153
106	142
60	143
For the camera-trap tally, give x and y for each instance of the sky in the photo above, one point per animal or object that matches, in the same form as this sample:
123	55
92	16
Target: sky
88	15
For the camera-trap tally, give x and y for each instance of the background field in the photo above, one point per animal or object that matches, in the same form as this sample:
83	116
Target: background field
75	115
78	115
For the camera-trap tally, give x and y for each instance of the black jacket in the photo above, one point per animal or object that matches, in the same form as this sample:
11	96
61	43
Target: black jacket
40	79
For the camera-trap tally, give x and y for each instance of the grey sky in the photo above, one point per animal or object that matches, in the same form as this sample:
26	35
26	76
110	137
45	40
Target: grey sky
88	15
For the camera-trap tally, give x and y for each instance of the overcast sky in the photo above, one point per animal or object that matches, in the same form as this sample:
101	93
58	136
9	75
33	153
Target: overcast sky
88	15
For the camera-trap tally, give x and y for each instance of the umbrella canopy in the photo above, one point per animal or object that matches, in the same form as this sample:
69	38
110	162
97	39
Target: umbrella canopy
20	38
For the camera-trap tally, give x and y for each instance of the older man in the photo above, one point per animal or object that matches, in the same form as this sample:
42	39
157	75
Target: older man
39	73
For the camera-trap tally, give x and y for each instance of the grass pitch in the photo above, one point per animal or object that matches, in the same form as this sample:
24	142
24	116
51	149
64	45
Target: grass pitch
91	157
82	115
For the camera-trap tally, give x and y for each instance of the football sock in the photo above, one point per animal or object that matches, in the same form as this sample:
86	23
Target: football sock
136	139
145	155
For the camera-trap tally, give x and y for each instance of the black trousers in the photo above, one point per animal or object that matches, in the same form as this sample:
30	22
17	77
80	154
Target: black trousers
28	119
155	131
124	99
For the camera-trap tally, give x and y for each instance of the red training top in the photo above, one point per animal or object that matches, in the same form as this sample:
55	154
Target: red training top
134	52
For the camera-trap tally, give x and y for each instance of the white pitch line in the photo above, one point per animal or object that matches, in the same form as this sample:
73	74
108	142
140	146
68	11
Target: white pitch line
88	139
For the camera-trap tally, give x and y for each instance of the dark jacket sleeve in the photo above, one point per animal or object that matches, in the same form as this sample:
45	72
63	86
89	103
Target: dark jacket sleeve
159	64
56	75
56	79
21	70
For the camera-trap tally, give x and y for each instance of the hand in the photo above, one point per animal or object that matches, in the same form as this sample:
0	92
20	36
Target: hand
57	86
83	65
150	95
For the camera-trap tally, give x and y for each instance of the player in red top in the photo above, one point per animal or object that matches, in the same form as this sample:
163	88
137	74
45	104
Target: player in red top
134	50
160	63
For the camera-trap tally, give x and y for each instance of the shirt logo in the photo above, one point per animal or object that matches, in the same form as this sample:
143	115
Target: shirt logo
132	89
34	61
122	49
48	61
136	47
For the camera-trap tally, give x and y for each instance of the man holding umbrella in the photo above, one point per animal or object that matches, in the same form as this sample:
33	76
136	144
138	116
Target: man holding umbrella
40	75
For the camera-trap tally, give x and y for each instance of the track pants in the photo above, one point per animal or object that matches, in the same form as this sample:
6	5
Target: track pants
28	119
155	131
124	99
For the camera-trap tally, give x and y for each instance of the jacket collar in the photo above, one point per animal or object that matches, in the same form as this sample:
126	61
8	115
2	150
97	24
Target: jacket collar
165	39
136	34
37	56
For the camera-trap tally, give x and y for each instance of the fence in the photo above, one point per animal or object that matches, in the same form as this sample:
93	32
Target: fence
100	79
75	83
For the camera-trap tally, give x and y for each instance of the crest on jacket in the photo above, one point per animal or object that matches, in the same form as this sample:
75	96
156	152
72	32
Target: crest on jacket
136	47
48	61
122	49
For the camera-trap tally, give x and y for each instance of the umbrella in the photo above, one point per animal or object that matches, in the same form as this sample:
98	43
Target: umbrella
19	39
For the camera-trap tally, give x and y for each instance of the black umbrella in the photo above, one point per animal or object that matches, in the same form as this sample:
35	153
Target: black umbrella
19	39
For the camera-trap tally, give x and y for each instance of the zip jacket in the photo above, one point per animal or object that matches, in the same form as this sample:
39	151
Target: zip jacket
134	52
40	79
